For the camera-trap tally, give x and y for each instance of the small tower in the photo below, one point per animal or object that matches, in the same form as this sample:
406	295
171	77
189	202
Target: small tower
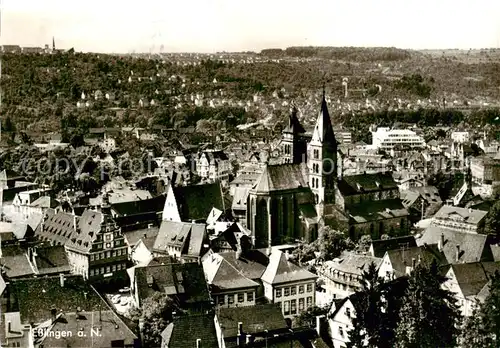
322	159
292	150
53	44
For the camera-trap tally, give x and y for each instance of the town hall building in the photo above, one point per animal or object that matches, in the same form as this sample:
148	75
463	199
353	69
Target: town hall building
290	201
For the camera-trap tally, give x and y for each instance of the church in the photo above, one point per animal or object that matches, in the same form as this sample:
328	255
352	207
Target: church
290	201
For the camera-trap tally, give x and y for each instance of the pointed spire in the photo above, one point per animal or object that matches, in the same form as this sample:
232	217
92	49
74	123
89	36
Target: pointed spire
323	132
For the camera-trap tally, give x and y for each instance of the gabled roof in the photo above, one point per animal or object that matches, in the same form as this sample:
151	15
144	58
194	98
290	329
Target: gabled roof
137	207
195	202
425	254
187	236
376	210
36	297
363	183
474	247
51	259
469	216
280	270
223	276
352	263
254	319
281	177
184	332
472	277
15	262
379	247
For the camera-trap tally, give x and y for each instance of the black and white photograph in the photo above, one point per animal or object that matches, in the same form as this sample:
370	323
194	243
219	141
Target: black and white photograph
245	174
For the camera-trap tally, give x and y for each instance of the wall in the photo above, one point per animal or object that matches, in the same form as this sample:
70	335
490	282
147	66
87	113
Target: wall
235	295
340	324
170	210
288	295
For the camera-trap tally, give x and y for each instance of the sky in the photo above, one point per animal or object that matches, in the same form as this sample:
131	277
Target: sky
124	26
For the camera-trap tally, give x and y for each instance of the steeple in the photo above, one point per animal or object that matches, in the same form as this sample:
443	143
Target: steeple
323	131
293	147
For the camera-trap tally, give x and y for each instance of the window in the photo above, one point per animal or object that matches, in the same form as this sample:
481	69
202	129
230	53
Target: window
286	307
221	299
348	312
113	268
241	297
108	269
113	253
249	296
287	291
301	304
278	292
294	290
309	301
92	257
91	272
341	331
230	299
301	289
108	254
293	307
309	287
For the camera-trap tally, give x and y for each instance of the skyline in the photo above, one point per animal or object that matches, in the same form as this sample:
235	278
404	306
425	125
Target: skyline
209	26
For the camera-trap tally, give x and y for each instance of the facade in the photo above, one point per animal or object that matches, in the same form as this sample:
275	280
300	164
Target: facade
340	322
388	139
485	170
459	219
213	166
460	137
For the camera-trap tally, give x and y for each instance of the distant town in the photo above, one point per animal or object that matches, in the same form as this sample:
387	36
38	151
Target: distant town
308	197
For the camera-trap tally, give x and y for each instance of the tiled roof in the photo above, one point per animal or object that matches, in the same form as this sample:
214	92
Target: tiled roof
221	275
137	207
280	270
251	264
196	202
36	297
402	258
240	198
184	331
254	319
51	259
380	246
187	236
472	277
363	183
111	328
15	262
147	235
469	216
352	263
282	177
473	247
376	210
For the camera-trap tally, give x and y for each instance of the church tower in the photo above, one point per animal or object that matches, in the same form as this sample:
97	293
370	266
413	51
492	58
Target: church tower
322	160
292	145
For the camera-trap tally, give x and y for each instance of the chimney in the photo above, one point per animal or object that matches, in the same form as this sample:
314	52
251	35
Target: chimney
53	313
198	343
413	263
319	322
9	326
239	337
441	242
61	280
249	340
458	252
75	226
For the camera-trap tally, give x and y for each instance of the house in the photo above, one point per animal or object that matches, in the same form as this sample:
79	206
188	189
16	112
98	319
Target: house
213	166
379	247
260	323
401	262
239	205
141	243
139	213
340	321
193	203
181	240
15	262
23	201
183	282
229	287
190	331
459	219
468	281
49	260
94	244
485	170
342	276
458	247
38	308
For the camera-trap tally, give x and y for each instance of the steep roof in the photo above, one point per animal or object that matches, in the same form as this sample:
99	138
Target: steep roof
378	247
251	263
184	331
363	183
222	275
137	207
352	263
51	259
426	254
281	177
195	202
323	131
472	277
376	210
473	247
280	270
469	216
187	236
15	262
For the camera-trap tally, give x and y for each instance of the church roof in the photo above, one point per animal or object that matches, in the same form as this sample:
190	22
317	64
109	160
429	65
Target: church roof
323	131
281	177
362	183
294	125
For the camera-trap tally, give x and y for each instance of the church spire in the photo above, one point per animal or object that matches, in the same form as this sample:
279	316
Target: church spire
323	131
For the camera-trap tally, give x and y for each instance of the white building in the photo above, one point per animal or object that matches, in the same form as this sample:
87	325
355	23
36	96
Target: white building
386	139
460	137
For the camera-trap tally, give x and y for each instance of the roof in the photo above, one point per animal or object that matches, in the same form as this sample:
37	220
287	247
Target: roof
379	247
147	235
254	319
184	331
376	210
470	216
187	236
137	207
15	262
109	325
240	198
352	263
195	202
294	125
36	297
323	131
251	263
281	270
402	258
363	183
473	247
221	275
472	277
281	177
51	259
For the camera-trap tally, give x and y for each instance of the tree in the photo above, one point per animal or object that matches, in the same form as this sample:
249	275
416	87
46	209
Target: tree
492	221
308	317
482	328
331	243
429	316
155	314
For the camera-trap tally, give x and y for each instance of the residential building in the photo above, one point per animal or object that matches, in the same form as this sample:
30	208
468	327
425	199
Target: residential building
141	245
340	321
459	219
213	166
470	282
387	139
460	136
190	331
342	276
379	247
485	170
23	201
